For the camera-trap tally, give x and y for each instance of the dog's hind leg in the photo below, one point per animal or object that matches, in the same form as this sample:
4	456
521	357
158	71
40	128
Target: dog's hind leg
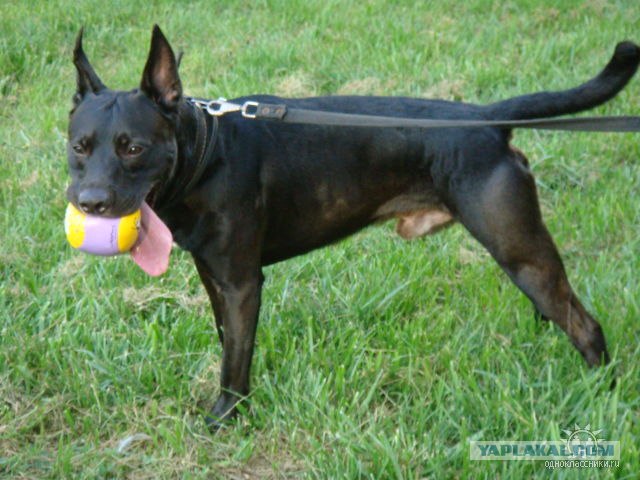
499	206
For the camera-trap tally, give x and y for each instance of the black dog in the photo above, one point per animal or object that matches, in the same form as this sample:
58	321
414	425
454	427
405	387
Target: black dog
239	194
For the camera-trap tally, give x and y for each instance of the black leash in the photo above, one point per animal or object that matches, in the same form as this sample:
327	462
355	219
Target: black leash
283	113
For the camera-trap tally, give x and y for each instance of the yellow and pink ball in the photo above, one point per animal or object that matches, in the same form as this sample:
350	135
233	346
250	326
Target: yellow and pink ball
101	235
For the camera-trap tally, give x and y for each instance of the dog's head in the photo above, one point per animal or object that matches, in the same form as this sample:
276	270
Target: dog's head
123	144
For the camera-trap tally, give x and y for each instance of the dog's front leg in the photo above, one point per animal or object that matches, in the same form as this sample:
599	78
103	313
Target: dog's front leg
236	302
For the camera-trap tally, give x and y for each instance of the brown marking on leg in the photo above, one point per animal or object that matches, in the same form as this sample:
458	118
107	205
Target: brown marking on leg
542	278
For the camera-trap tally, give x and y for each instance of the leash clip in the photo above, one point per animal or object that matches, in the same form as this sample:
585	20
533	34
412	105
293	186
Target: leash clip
220	107
249	109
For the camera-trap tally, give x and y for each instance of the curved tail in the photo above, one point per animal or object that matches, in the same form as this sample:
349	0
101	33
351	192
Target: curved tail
606	85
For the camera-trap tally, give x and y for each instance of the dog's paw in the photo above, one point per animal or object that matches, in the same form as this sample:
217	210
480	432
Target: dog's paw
223	413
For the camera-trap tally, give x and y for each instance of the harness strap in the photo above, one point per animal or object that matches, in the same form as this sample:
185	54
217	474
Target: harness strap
190	173
209	140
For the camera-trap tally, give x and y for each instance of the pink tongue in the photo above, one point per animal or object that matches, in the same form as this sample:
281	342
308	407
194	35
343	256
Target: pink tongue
152	250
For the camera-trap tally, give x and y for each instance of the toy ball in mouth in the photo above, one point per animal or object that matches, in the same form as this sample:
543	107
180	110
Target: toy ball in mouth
101	235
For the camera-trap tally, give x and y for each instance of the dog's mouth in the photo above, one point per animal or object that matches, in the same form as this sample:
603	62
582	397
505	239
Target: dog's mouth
152	196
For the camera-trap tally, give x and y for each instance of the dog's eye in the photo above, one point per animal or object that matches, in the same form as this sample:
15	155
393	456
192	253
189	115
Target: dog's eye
134	150
79	149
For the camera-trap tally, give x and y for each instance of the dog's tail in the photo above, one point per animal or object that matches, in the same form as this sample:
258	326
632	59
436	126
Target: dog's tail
596	91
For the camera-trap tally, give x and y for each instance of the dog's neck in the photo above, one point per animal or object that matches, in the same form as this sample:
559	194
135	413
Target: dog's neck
196	135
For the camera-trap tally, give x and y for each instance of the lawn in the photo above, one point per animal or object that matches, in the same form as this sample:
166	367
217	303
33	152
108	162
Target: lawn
376	358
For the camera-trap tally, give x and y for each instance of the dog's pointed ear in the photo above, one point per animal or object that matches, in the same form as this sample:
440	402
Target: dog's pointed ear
88	80
160	80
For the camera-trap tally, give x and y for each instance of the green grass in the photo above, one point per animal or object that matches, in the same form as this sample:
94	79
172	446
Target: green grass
376	358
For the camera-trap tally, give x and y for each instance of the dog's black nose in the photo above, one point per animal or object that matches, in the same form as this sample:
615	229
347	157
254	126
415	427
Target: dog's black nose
94	200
